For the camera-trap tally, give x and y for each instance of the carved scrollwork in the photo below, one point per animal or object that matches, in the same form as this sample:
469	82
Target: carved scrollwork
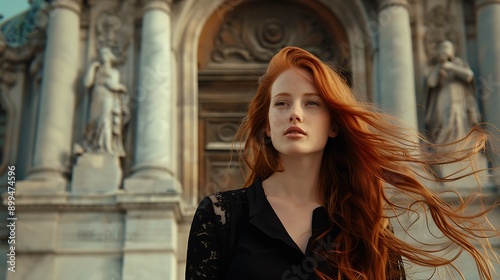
439	27
23	34
111	34
245	37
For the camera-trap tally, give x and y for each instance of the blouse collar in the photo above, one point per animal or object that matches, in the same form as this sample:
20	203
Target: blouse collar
261	214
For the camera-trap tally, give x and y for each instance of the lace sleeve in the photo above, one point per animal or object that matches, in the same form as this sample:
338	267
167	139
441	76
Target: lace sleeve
204	247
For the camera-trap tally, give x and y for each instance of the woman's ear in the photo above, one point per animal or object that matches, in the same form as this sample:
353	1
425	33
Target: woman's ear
268	131
334	131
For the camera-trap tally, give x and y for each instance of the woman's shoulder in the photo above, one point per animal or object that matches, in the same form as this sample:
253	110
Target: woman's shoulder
226	204
227	198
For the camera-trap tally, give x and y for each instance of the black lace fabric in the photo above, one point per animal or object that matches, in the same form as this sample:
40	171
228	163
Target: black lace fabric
204	252
213	233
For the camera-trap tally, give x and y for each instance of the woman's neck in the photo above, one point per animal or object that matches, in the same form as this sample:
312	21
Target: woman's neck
299	182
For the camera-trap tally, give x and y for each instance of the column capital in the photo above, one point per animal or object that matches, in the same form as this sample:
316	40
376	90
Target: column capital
384	4
162	5
73	5
483	3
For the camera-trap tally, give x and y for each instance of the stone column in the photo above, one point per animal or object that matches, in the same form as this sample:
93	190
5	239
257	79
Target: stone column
396	82
488	44
55	117
155	153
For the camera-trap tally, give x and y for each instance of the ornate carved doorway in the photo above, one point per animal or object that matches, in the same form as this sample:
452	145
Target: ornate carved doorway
235	46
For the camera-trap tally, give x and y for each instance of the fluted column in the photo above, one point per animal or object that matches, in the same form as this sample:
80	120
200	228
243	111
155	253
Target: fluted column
155	152
488	44
57	101
396	82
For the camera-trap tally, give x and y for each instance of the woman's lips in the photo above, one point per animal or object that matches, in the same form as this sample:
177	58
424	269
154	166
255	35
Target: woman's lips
295	132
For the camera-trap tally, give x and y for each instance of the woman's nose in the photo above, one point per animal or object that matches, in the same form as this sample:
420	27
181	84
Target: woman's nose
295	114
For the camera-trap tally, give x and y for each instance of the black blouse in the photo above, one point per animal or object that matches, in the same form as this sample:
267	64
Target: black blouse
237	235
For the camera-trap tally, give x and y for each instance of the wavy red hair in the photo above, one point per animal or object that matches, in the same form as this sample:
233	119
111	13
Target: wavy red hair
371	157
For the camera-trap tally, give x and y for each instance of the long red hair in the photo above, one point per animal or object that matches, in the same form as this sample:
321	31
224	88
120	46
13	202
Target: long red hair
370	160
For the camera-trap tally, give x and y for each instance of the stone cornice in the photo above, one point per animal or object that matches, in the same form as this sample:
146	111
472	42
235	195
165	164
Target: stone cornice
384	4
73	5
120	200
162	5
483	3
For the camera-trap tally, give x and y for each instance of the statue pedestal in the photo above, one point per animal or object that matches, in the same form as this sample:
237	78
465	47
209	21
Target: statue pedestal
152	181
469	184
96	172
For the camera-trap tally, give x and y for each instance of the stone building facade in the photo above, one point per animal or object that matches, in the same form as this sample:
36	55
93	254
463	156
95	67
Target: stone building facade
182	72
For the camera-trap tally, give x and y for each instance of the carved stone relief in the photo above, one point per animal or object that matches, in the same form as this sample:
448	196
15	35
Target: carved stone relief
439	27
245	37
22	43
22	35
110	33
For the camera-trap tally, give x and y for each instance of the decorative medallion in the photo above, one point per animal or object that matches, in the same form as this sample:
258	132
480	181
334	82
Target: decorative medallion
226	131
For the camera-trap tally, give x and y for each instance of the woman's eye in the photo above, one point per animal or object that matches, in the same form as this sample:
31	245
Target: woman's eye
280	103
312	102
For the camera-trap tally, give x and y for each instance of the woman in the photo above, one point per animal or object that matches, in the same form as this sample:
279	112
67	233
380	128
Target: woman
317	202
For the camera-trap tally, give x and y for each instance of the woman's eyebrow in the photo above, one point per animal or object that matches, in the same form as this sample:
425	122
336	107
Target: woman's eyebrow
288	94
282	94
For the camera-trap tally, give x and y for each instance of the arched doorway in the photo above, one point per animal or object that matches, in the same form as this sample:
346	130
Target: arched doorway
235	46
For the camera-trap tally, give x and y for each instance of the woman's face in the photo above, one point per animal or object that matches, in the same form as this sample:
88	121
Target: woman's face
299	120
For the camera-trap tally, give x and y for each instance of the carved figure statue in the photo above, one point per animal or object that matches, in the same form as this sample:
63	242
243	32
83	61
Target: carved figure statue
451	107
109	110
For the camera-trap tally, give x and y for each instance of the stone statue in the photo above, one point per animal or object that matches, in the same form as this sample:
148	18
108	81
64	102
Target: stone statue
109	110
451	107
